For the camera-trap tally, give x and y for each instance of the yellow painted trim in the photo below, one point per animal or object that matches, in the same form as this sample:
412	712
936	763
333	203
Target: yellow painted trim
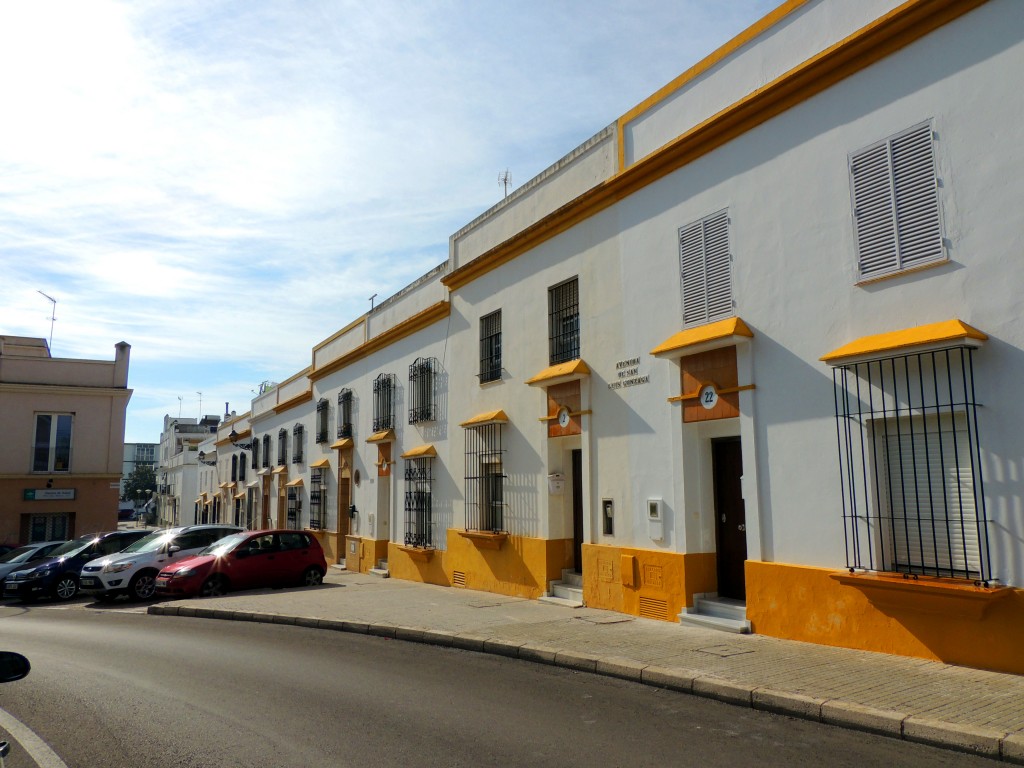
486	418
345	442
726	391
239	495
886	35
339	333
407	327
421	452
223	485
557	374
571	413
320	464
253	484
908	338
384	436
198	501
702	66
280	469
299	399
702	334
294	483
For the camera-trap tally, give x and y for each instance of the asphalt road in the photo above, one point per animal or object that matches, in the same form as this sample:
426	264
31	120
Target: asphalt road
114	687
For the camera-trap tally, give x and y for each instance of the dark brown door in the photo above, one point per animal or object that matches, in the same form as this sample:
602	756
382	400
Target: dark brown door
730	517
577	510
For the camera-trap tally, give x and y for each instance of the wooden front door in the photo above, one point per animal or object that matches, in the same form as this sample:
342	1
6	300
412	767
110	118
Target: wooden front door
730	517
577	510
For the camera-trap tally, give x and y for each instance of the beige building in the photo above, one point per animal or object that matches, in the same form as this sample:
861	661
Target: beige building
63	448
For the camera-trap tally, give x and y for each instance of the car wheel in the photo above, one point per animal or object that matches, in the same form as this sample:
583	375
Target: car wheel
312	577
66	587
142	586
214	586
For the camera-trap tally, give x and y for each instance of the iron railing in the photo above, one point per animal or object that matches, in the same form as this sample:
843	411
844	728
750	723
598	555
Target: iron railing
418	519
485	479
345	413
384	402
490	347
317	495
564	322
421	389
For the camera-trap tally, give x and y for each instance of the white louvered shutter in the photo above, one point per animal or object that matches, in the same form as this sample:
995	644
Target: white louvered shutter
896	204
706	270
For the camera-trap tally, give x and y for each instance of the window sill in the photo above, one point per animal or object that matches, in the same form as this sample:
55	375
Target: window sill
484	539
418	554
892	593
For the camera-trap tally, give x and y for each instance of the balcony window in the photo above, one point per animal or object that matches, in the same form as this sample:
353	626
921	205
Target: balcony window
298	442
421	390
384	402
323	413
344	413
490	347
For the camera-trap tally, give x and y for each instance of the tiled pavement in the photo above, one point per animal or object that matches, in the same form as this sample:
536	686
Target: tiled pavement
939	704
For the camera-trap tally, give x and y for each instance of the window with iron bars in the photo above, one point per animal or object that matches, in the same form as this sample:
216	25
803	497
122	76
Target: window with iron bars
238	513
485	479
266	451
251	509
234	468
421	389
282	446
317	497
384	402
345	413
294	509
241	468
298	435
418	531
255	453
564	322
323	413
910	463
490	347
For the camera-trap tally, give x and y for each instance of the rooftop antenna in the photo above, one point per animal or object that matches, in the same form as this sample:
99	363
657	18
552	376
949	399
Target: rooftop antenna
179	406
53	316
371	301
505	179
200	404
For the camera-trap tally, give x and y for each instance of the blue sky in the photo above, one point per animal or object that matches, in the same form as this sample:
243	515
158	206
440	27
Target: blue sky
224	184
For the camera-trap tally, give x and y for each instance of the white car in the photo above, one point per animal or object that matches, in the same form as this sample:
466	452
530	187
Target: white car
132	571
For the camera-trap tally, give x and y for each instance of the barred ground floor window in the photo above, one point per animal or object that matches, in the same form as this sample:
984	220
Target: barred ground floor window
418	502
52	527
485	478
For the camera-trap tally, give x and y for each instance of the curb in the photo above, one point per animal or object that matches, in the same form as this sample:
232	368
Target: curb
975	740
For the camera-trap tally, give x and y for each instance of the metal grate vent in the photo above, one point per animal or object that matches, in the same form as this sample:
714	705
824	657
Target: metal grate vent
458	578
652	608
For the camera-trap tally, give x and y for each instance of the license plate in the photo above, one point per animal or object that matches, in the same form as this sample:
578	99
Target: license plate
162	582
88	582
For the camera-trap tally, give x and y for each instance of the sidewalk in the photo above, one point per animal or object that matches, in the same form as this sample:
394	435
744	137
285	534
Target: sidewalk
923	701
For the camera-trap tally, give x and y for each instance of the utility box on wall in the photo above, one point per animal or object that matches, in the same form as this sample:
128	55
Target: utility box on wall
655	523
556	483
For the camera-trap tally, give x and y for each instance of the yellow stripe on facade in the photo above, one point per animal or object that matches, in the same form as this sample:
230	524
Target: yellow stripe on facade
702	334
491	417
908	338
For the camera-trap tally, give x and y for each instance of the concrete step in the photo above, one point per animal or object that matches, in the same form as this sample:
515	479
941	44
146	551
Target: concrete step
561	593
381	569
551	599
717	613
572	578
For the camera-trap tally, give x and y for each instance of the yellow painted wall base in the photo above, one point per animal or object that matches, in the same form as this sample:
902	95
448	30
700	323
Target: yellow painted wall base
333	545
808	604
362	554
644	582
426	567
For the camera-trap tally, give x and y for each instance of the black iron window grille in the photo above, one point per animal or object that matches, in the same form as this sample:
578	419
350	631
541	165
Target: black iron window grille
345	413
241	468
485	479
250	509
418	522
238	512
490	347
298	435
282	447
234	468
294	509
255	453
421	389
384	402
564	322
323	413
910	463
266	451
317	496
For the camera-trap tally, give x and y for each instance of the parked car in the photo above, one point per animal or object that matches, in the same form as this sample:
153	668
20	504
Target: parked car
245	561
133	570
57	575
16	559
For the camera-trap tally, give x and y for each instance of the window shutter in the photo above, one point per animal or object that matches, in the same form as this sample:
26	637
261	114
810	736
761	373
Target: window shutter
896	204
705	270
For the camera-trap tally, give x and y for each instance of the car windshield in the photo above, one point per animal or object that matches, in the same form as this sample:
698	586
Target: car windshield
225	545
72	547
19	555
150	543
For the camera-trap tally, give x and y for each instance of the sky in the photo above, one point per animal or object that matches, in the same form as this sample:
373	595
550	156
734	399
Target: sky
223	184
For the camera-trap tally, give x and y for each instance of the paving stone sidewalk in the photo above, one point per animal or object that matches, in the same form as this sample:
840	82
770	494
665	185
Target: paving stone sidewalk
939	704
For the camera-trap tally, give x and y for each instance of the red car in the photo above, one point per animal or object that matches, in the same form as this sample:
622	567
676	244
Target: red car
246	560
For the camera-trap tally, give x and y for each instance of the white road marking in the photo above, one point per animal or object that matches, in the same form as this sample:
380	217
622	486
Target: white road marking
36	748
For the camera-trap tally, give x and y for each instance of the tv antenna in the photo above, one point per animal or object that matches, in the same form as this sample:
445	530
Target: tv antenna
371	301
200	404
53	316
505	179
179	406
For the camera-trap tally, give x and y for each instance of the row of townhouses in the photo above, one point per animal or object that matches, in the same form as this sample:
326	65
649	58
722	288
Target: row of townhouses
750	357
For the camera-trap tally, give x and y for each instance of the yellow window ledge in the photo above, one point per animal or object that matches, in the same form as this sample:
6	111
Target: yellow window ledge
417	554
893	594
930	335
703	338
484	539
559	374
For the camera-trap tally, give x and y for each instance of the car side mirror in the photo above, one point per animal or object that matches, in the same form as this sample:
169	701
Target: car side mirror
13	666
173	548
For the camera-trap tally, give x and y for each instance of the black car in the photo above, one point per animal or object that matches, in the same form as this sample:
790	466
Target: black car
57	576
